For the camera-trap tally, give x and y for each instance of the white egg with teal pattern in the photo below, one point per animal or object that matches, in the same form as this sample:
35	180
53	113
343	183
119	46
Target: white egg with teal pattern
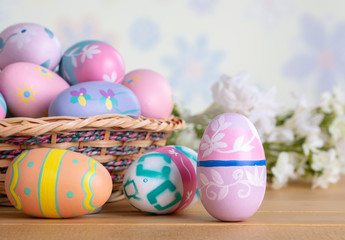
161	181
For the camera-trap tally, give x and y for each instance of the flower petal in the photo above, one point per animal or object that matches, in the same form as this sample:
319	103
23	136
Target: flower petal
220	145
82	90
313	32
204	146
300	66
103	93
75	93
207	139
218	137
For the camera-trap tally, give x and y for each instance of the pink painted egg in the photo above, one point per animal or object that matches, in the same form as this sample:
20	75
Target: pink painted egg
57	183
161	181
3	107
29	88
153	91
29	42
92	61
231	168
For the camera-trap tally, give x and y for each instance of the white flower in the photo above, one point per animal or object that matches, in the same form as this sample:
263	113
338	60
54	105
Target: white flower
326	178
283	170
233	94
326	102
313	143
340	148
187	137
111	78
89	52
281	134
337	128
329	166
334	101
304	122
22	35
264	113
323	160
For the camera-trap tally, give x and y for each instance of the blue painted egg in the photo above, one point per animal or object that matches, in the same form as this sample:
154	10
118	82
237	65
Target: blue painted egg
3	107
95	98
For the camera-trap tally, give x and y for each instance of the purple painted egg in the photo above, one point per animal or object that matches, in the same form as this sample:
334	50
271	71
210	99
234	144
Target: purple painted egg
29	42
231	171
95	98
3	107
92	61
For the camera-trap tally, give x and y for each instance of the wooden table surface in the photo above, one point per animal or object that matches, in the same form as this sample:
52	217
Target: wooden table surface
295	212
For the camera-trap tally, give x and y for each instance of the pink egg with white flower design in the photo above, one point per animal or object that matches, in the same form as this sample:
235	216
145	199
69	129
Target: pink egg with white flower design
29	42
92	61
29	88
153	91
231	168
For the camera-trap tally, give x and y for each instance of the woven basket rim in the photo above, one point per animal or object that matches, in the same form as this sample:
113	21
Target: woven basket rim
23	126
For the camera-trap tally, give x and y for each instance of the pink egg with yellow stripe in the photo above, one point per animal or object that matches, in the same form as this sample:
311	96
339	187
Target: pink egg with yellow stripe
57	183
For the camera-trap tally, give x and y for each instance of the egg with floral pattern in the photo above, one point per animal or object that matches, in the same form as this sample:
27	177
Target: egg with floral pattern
57	183
29	88
92	61
3	107
29	42
95	98
192	156
231	171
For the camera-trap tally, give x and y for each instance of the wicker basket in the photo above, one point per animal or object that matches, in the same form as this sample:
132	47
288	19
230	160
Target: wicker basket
114	140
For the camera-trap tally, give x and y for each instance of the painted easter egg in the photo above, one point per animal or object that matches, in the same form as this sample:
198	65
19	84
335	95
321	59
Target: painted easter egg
231	171
57	183
153	91
161	181
95	98
3	107
193	156
29	42
29	88
92	61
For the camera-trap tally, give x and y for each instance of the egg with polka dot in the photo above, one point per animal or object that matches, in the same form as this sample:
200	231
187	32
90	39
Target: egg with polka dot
57	183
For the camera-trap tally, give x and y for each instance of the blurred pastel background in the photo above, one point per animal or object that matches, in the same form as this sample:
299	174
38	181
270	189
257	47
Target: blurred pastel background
296	46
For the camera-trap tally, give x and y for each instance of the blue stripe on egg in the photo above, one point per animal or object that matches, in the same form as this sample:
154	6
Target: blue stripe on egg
232	163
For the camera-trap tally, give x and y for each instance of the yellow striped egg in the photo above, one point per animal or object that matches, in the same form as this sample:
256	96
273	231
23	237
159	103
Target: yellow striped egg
57	183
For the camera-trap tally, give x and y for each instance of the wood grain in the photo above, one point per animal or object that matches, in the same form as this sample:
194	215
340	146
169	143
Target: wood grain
295	212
